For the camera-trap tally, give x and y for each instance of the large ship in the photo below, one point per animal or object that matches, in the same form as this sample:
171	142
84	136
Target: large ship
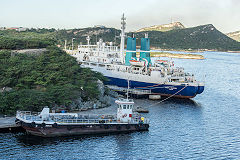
119	65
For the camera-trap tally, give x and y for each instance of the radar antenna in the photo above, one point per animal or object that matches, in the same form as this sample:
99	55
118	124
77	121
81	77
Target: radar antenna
122	35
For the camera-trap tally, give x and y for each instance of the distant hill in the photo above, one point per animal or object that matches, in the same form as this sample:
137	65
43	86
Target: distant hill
107	34
234	35
163	28
200	37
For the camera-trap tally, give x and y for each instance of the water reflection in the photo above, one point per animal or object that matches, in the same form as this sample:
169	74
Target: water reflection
30	140
188	102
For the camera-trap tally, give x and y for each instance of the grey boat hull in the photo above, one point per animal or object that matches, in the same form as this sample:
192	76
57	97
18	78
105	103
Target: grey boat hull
81	129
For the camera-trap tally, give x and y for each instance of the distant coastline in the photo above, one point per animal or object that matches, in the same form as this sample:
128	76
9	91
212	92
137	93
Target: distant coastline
177	55
193	50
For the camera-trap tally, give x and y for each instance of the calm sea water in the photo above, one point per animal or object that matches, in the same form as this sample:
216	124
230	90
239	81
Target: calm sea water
207	127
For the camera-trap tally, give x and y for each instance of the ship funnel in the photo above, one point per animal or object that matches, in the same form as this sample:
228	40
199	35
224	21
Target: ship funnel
145	49
131	50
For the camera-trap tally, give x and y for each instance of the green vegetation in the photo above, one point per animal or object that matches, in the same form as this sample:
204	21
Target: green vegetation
51	79
10	39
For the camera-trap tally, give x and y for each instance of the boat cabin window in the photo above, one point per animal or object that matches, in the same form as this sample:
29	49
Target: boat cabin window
124	106
127	106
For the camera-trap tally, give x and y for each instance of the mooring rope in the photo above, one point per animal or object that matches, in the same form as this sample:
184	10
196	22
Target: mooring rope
168	97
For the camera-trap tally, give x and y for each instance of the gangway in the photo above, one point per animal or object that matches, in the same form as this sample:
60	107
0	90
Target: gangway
131	91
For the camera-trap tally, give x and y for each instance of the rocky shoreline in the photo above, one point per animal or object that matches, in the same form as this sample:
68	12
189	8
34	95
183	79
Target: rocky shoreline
102	101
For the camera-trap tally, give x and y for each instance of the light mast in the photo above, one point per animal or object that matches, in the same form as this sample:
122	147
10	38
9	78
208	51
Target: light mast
122	35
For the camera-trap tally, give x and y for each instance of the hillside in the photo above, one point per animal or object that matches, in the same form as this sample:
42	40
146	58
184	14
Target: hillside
51	79
107	34
163	28
11	39
234	35
200	37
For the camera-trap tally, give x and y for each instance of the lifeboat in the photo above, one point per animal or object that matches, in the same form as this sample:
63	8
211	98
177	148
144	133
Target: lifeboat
161	62
137	63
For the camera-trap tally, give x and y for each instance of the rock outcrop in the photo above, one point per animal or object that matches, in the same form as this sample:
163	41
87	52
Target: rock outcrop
234	35
103	100
163	28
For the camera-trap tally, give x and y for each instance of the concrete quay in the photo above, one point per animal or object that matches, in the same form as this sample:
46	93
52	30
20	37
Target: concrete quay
8	124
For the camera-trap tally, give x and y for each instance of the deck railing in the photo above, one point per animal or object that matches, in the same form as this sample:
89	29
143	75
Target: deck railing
27	115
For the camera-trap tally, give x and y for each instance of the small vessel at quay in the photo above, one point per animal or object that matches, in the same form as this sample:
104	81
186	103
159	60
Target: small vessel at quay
46	124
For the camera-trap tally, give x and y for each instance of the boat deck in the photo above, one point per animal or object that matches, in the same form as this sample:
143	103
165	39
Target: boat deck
73	118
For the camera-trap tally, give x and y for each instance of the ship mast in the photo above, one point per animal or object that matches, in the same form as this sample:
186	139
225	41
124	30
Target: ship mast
122	35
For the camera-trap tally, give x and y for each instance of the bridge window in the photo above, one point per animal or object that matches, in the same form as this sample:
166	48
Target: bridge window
130	106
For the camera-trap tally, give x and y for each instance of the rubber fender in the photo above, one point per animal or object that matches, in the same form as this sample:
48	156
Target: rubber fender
43	125
106	126
119	127
55	125
33	124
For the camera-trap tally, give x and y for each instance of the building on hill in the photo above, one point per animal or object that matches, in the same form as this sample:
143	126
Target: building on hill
19	29
2	28
99	26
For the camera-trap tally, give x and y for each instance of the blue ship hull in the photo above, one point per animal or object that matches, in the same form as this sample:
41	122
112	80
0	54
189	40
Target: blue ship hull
161	89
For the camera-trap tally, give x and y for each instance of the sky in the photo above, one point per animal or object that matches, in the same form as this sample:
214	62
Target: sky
223	14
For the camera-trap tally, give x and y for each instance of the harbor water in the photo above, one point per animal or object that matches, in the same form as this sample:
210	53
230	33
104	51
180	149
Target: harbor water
206	127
